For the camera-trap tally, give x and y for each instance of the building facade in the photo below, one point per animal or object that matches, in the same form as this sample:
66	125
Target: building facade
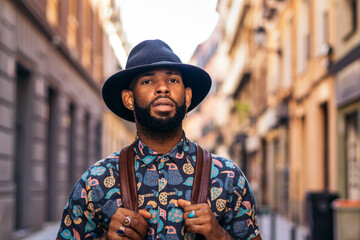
313	148
282	78
203	123
117	133
346	69
284	101
52	66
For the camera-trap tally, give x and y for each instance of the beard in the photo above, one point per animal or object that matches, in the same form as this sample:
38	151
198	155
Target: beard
155	125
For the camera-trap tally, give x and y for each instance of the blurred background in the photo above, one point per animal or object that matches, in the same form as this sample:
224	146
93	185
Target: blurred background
284	105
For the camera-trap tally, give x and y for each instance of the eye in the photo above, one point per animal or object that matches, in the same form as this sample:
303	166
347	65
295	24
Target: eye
145	82
174	80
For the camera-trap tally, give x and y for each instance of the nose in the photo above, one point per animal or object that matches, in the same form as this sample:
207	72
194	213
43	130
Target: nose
162	88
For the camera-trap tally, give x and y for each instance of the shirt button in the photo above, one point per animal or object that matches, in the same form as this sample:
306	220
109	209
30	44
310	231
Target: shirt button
162	180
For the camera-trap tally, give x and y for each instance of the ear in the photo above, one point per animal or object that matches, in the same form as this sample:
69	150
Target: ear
128	99
188	96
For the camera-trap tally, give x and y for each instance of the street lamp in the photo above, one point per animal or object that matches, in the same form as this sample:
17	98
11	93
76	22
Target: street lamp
260	37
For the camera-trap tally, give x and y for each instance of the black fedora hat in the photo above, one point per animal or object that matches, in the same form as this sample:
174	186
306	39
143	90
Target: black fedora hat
147	55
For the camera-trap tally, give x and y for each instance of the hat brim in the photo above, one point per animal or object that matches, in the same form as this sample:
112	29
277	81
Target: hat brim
194	77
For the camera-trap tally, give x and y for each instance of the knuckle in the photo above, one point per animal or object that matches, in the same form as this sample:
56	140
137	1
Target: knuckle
119	210
110	236
111	224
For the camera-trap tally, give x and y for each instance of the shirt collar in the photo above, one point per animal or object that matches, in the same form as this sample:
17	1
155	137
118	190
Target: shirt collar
148	155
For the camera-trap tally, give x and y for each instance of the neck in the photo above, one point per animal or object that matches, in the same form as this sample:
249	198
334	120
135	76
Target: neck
160	142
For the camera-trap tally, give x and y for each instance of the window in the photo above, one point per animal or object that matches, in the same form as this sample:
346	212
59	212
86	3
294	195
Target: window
98	132
71	128
307	43
52	12
303	43
23	146
326	33
52	147
287	56
86	141
320	31
72	26
350	18
352	157
86	44
325	133
274	64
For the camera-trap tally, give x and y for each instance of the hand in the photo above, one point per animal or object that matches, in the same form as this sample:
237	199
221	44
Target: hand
204	222
138	228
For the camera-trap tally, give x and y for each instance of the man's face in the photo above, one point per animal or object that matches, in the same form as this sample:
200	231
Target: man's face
160	99
159	125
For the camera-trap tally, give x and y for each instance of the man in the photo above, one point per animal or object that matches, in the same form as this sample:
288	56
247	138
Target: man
156	91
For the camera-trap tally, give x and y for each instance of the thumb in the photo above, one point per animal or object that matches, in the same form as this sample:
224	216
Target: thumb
183	203
145	213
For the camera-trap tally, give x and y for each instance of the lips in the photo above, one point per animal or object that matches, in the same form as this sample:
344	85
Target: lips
163	104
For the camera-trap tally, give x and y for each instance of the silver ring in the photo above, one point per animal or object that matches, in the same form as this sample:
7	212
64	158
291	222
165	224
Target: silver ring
127	221
192	214
121	231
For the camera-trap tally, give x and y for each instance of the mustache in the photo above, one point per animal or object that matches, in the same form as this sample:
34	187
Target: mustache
163	96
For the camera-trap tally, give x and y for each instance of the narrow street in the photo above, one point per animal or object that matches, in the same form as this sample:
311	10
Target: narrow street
283	105
278	228
284	230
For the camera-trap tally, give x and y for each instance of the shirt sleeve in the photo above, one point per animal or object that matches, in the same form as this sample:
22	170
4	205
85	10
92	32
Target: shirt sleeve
240	220
79	218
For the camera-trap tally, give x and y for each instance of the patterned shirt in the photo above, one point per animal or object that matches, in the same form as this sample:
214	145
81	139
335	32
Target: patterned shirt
162	179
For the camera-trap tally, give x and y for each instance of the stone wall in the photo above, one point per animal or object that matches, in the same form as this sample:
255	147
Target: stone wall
49	125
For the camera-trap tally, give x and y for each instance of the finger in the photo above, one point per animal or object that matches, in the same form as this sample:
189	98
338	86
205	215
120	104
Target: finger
133	234
145	213
129	233
202	217
183	203
137	221
136	218
198	220
196	207
186	205
201	229
201	224
140	225
207	230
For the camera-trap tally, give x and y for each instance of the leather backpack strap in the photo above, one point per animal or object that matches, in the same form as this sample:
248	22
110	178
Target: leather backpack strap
201	182
258	237
127	179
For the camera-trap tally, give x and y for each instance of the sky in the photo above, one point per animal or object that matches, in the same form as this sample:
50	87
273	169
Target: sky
182	24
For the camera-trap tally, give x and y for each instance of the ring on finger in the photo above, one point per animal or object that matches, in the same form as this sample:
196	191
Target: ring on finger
121	231
192	214
127	221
